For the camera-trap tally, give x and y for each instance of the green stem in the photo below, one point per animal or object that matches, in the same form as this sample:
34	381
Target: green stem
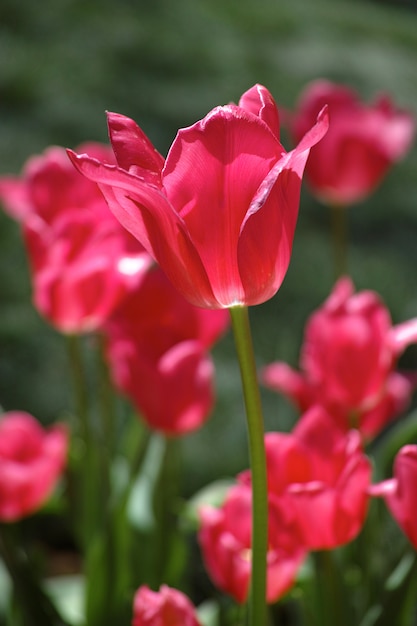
105	452
106	400
165	499
332	601
79	386
340	239
86	463
252	398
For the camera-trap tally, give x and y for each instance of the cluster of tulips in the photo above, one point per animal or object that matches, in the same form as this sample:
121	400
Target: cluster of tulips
154	258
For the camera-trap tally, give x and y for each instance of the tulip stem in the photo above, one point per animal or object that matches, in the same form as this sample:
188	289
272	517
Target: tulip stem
79	386
105	452
332	606
86	463
255	426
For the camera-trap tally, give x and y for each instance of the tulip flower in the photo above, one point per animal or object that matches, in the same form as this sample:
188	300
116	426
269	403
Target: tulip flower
323	475
348	362
219	214
225	541
400	492
157	350
166	607
32	460
363	141
83	262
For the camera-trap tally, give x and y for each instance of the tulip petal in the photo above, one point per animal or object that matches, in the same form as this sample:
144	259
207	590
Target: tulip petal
133	150
284	379
211	174
14	195
31	462
184	374
270	222
259	101
403	335
400	492
146	213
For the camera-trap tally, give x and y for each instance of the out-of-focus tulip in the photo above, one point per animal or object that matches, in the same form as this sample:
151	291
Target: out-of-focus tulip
166	607
225	540
362	143
157	349
219	215
32	460
348	360
400	492
83	263
323	475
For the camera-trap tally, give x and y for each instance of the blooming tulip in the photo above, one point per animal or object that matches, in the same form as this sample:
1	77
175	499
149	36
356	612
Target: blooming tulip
348	360
82	262
31	461
363	141
157	344
400	492
219	215
225	540
324	475
166	607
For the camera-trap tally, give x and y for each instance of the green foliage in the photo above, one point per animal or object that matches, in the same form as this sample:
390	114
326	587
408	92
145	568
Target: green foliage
166	64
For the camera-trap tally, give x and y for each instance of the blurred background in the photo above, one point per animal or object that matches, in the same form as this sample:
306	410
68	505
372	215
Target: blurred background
166	64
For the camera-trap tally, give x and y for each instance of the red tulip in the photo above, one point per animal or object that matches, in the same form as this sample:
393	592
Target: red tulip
32	460
225	540
324	475
347	361
157	349
400	492
166	607
83	263
219	215
363	141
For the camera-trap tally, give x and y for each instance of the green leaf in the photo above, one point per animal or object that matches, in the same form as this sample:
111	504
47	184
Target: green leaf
397	602
210	495
68	593
140	504
5	587
208	613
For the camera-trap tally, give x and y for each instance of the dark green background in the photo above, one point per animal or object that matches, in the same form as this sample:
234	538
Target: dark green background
63	63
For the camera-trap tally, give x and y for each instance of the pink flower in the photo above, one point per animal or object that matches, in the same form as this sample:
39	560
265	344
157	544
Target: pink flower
157	350
31	462
400	492
225	540
347	361
82	262
323	475
363	141
219	215
166	607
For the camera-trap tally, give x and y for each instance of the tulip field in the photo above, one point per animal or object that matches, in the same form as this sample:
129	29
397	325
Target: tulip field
208	320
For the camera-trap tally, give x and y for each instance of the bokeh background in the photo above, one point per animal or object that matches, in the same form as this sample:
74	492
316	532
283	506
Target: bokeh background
164	63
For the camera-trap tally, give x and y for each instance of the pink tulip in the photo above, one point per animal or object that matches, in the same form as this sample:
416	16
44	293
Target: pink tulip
219	215
82	262
363	141
166	607
348	361
32	460
157	349
225	540
400	492
323	475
